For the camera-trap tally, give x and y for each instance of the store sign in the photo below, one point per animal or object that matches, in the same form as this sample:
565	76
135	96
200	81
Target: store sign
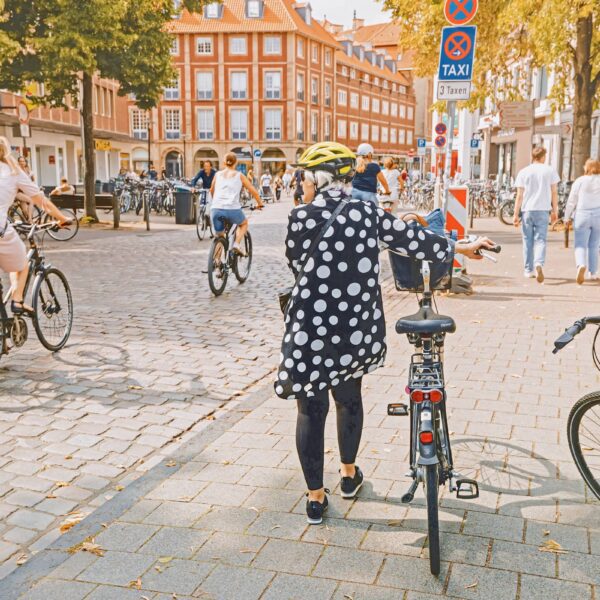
103	145
25	130
516	114
448	90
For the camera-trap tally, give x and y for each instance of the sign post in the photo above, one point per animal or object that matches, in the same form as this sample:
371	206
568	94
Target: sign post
23	111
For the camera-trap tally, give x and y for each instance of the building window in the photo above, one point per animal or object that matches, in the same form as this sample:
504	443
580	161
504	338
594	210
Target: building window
328	93
385	107
272	44
139	124
327	57
111	100
376	105
393	136
401	137
410	113
204	46
409	137
385	132
342	128
394	109
385	84
273	124
352	73
364	132
366	103
213	11
367	78
353	100
174	46
375	133
342	97
327	131
172	91
314	90
272	85
376	81
315	53
403	111
254	9
239	124
239	85
314	126
206	124
300	125
353	130
204	85
172	123
345	71
300	49
238	46
300	85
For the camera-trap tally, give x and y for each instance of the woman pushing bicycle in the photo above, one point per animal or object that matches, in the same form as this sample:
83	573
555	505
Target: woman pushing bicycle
334	323
13	255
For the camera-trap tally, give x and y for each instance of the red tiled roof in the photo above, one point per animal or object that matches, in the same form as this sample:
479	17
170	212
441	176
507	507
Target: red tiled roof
365	65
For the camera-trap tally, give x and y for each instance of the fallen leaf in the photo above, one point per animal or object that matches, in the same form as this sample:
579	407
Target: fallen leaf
165	559
587	448
92	548
275	527
226	462
349	596
119	488
328	450
50	496
185	499
22	559
472	586
105	525
158	569
73	519
546	532
246	551
516	376
254	509
552	546
136	387
171	463
60	484
136	583
144	598
394	523
209	418
69	457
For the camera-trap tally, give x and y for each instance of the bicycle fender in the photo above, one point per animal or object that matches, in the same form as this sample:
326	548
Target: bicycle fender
427	452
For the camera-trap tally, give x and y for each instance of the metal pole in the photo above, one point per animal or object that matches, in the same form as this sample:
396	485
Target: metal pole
449	147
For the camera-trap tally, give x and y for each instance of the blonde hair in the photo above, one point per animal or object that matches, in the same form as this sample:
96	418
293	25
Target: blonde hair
388	163
592	167
539	153
361	164
6	156
230	160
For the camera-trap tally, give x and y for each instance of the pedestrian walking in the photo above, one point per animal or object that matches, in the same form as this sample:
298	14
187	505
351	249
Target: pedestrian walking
537	196
368	175
334	323
394	181
584	201
287	182
298	179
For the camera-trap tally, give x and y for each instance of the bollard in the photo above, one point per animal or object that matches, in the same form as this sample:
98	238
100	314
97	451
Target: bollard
146	211
116	206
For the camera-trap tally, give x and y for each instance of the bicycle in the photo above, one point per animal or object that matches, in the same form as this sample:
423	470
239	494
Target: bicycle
222	260
52	302
584	418
16	214
203	222
431	462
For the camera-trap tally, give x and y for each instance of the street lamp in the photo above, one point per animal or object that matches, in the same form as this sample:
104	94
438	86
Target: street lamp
184	137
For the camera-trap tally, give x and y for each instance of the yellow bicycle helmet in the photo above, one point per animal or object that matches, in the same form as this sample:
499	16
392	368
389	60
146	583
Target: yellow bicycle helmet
332	157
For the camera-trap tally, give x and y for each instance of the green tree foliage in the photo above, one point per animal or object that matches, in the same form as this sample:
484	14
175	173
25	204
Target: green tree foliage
562	35
64	44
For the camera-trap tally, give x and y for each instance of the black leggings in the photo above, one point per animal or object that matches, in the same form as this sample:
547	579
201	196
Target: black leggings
310	429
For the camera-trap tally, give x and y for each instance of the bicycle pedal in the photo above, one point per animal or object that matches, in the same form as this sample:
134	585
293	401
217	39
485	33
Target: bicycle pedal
397	410
467	489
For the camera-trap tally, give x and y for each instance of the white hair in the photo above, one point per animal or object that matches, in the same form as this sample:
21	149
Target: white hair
322	180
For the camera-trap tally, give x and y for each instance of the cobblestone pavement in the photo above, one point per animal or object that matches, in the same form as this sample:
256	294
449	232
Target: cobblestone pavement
224	518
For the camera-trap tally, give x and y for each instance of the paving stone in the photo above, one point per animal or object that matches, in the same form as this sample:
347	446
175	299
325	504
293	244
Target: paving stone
24	498
177	577
34	483
262	458
579	567
347	564
65	590
175	541
30	519
569	537
177	514
116	568
278	525
491	583
176	490
407	572
7	549
224	494
232	520
235	583
108	592
505	555
19	535
74	565
91	482
336	532
293	587
542	588
288	557
56	506
359	591
230	548
125	537
217	473
495	526
394	540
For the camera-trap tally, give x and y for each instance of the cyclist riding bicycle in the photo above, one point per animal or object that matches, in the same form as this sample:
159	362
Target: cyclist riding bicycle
13	255
226	206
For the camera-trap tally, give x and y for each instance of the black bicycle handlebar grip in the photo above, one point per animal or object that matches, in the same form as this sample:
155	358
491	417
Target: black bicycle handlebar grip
496	249
568	336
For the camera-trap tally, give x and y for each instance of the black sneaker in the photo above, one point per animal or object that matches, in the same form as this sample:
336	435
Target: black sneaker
350	485
315	510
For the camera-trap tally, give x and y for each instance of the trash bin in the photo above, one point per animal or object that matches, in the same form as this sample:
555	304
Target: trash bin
184	208
98	186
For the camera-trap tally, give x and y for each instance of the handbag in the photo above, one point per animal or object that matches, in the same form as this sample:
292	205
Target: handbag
285	295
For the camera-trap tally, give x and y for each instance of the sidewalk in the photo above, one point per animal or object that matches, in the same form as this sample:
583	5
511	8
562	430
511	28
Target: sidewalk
224	517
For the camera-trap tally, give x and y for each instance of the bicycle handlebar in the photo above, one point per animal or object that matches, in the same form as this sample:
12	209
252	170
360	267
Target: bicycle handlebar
569	335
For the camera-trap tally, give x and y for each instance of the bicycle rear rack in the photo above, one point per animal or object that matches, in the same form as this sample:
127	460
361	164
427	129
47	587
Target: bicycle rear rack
426	376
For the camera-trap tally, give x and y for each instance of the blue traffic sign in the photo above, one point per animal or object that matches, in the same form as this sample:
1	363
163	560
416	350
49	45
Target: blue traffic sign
474	144
421	143
257	153
457	53
440	141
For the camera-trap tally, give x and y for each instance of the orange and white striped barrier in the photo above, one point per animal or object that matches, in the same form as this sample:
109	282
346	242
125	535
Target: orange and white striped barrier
457	211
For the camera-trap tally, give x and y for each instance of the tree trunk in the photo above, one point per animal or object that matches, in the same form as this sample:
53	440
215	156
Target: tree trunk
88	148
583	101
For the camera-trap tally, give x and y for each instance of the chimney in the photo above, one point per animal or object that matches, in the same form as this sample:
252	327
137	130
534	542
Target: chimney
357	23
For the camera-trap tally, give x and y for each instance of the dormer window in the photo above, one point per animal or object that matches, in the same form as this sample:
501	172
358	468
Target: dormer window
214	10
305	11
254	9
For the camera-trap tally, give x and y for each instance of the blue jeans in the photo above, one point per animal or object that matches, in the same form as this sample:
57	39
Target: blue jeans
587	239
365	196
222	216
535	234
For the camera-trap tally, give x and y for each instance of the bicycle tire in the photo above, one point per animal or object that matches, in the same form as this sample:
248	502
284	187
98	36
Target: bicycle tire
433	524
505	212
202	225
242	265
64	235
217	283
47	307
573	433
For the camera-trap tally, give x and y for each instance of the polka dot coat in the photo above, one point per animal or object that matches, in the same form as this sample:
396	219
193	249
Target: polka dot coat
334	326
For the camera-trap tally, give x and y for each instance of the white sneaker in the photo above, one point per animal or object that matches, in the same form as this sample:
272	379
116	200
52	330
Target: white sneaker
595	277
529	274
539	274
580	275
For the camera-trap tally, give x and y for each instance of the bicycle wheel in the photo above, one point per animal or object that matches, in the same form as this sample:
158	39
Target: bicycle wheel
505	212
243	264
202	223
53	307
64	235
217	267
583	431
433	526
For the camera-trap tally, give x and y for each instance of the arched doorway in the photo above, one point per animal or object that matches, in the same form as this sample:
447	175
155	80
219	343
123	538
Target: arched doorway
244	159
274	161
174	164
204	154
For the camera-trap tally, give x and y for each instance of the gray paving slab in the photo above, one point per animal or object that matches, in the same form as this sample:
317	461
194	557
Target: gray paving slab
175	541
287	556
65	590
295	587
177	577
116	568
345	564
235	583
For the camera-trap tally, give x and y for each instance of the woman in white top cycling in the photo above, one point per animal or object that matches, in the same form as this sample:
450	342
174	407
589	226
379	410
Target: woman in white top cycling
226	206
13	255
584	201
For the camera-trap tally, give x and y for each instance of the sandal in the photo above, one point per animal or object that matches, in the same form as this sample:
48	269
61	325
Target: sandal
18	308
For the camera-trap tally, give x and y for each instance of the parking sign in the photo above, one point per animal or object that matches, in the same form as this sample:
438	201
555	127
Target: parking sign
421	146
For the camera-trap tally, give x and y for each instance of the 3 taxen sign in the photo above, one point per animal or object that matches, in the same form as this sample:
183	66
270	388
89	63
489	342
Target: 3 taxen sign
457	53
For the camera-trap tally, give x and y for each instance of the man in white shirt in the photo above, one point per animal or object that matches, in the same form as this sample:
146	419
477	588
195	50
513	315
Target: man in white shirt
537	195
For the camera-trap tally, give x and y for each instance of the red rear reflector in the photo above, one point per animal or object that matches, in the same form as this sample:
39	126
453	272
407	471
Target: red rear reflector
426	437
436	396
417	395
